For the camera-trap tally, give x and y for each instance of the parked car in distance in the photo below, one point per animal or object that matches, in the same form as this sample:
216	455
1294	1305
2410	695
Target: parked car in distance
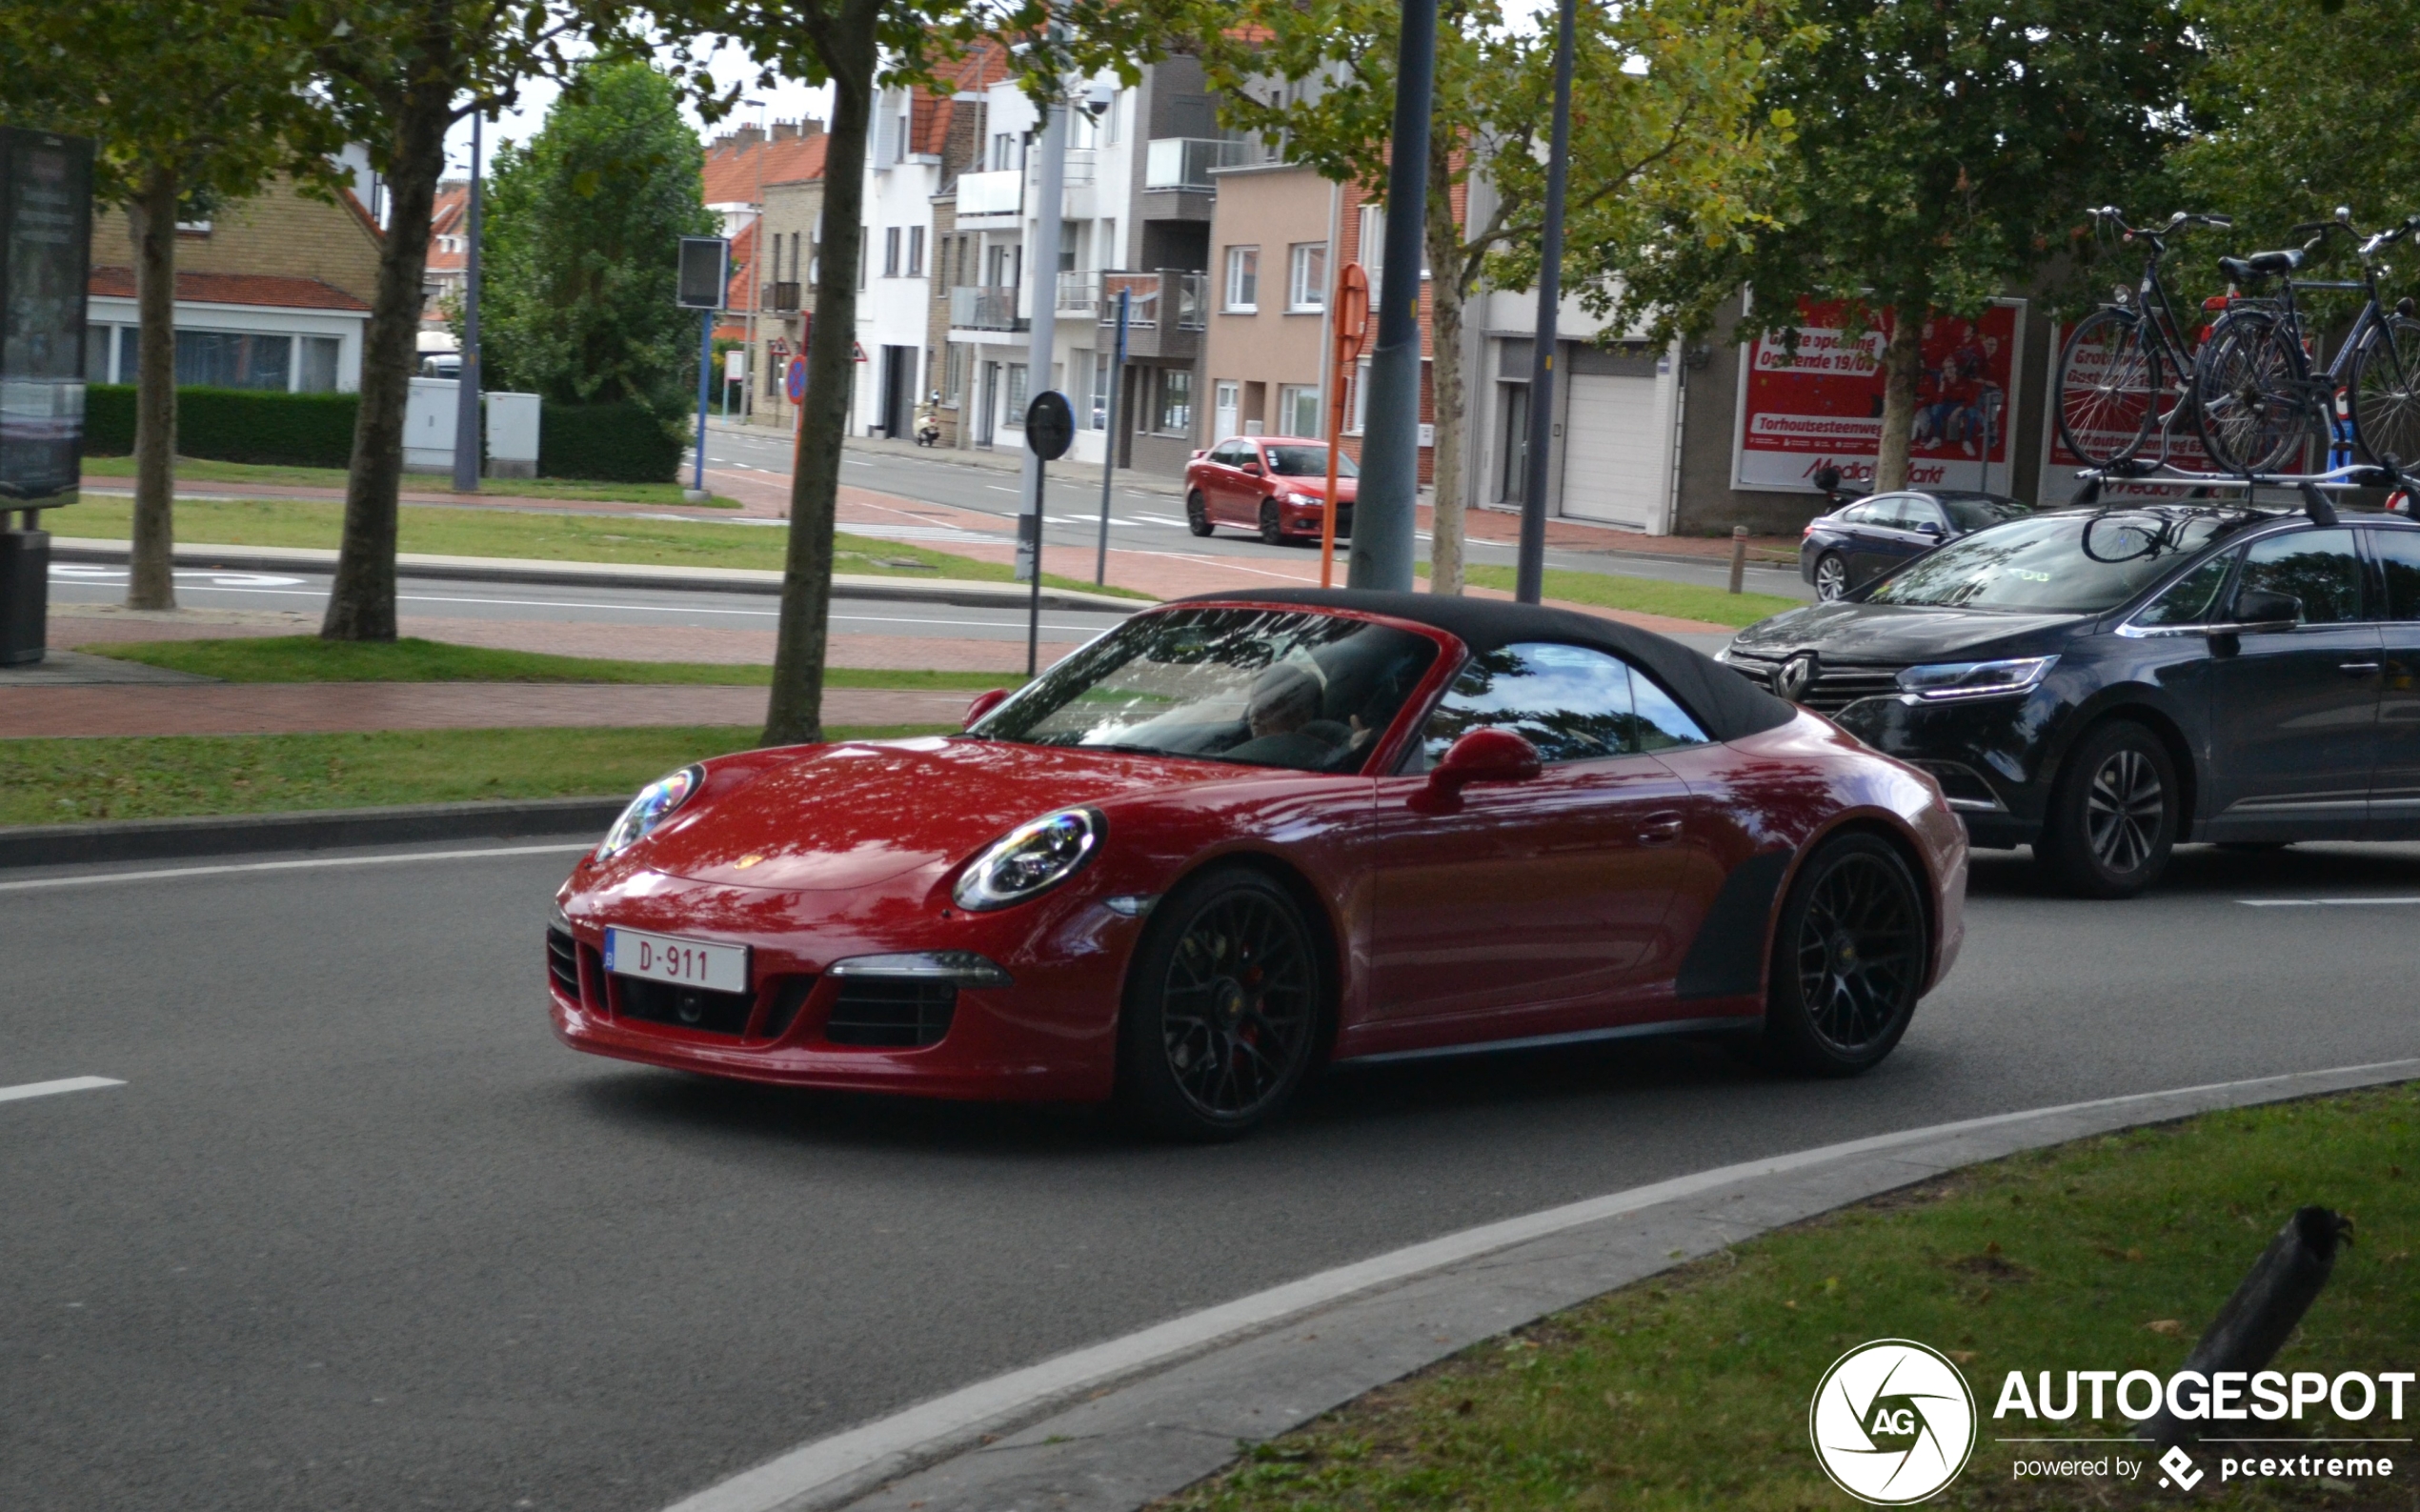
2101	684
1859	542
1274	484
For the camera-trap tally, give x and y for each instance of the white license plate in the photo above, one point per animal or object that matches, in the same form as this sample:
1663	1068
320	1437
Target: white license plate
682	963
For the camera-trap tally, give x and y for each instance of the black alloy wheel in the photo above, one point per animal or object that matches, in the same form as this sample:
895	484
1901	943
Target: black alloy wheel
1224	1002
1848	961
1197	514
1272	528
1831	578
2114	813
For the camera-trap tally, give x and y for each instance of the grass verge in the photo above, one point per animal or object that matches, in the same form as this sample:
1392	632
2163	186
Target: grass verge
198	469
167	777
451	532
308	659
1643	595
1691	1390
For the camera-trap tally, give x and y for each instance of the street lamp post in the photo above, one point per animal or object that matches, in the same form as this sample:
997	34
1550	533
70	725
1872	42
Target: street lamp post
1529	576
466	410
1043	341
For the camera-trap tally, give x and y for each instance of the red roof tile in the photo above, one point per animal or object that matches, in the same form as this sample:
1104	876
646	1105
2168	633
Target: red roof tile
272	289
734	162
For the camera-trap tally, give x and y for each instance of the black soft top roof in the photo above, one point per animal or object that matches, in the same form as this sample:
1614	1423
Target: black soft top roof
1723	702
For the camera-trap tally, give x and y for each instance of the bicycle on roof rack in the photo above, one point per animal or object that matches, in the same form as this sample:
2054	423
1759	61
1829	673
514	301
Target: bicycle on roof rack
2126	371
2260	399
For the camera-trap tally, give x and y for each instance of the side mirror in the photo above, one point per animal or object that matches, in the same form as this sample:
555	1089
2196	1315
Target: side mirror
983	704
2260	609
1485	754
1928	528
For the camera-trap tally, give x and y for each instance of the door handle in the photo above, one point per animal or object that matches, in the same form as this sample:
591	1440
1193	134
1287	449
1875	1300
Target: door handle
1659	829
2356	667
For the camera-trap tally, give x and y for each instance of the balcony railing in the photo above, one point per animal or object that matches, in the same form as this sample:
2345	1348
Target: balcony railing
1185	162
1078	293
781	299
995	193
981	307
1179	298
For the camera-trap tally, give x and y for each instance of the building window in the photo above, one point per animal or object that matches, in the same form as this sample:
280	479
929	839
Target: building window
1306	278
890	252
1175	401
316	371
96	354
1243	280
1101	377
1015	418
1007	151
954	376
915	252
232	359
1373	240
1298	409
1356	408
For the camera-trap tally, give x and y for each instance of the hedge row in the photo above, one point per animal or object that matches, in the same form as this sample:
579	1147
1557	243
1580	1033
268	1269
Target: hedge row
611	443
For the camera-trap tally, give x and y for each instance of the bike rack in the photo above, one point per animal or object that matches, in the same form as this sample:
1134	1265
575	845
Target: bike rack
2311	486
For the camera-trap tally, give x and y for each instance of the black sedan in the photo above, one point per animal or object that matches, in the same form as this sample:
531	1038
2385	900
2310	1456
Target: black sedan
2101	684
1859	542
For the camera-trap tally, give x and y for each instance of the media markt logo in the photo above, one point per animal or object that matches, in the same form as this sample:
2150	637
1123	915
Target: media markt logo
1892	1422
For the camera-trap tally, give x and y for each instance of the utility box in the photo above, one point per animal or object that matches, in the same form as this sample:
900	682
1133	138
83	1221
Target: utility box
512	434
429	424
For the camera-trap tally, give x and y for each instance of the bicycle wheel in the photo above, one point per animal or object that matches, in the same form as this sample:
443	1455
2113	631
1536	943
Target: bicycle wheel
2386	393
2109	388
2248	399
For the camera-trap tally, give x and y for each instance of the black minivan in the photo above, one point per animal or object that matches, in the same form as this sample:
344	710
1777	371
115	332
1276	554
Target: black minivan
2102	683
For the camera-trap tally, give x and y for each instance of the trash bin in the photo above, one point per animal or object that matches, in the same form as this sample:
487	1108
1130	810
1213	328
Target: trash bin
25	594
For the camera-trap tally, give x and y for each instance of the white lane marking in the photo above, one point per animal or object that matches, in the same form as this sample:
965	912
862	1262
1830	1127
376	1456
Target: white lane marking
780	1482
1003	488
179	873
44	1089
2329	902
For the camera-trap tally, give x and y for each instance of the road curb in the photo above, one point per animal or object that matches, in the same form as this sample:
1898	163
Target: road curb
1115	1425
239	833
958	592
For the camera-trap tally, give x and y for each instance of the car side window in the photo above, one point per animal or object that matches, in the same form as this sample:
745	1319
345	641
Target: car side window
1914	514
1572	702
2191	599
2398	554
1855	514
1228	455
1889	512
2320	568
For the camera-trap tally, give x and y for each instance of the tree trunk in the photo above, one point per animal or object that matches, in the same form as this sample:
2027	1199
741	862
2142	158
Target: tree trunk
1445	258
152	216
1903	363
794	715
361	602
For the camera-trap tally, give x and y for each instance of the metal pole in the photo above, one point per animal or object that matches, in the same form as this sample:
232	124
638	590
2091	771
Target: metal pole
1109	435
1033	599
1043	344
466	408
705	378
1389	493
1530	576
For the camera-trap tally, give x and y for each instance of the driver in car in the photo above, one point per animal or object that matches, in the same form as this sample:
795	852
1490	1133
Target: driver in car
1283	712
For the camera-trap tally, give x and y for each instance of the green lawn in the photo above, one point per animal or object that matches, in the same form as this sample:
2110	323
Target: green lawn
446	532
1691	1390
308	659
198	469
1645	595
142	777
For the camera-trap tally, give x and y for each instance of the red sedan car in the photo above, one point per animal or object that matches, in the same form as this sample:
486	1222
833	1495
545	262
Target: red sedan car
1237	838
1273	484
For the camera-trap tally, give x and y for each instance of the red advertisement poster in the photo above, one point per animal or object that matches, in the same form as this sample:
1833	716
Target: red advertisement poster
2182	448
1822	406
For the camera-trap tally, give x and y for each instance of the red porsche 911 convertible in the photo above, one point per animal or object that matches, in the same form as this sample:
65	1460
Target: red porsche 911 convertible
1238	838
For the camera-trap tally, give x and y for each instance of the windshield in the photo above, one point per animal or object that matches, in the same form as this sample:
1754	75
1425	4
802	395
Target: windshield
1263	687
2077	564
1307	461
1978	512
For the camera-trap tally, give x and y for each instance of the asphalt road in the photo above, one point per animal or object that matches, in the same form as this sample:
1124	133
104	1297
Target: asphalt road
1155	520
356	1231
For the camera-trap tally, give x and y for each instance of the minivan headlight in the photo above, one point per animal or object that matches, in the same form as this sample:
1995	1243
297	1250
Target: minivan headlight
1976	679
654	803
1030	860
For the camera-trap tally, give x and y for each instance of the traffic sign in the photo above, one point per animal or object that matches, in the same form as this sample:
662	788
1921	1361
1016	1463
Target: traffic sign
1050	425
795	380
861	351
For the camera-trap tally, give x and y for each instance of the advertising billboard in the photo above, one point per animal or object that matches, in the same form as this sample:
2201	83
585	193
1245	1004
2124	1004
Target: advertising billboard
1821	404
46	238
2180	448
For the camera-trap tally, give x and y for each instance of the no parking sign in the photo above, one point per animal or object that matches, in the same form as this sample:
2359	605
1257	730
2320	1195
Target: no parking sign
794	381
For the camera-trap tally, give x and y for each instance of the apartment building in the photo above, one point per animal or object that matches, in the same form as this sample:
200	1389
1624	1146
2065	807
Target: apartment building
765	185
1263	353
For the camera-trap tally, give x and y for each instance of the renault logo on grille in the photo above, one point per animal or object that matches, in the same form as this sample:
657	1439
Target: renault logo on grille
1794	676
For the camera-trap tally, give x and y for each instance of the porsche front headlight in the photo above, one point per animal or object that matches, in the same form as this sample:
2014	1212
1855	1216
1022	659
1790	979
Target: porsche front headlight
1030	860
654	803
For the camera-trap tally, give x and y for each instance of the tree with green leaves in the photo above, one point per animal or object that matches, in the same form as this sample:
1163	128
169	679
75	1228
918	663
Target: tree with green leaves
582	247
1945	155
1664	133
194	102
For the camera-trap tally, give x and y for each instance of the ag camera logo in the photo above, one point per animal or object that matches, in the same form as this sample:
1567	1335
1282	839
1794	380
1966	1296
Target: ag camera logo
1892	1422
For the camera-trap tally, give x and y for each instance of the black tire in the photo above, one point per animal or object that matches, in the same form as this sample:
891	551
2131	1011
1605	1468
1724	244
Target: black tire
2114	812
2110	386
1849	959
1225	1007
2385	390
2248	400
1831	576
1272	528
1197	514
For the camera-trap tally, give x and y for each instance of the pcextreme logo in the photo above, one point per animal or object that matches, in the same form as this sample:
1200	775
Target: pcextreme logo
1892	1422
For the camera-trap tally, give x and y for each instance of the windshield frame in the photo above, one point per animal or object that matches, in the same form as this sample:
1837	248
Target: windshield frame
2231	526
1346	469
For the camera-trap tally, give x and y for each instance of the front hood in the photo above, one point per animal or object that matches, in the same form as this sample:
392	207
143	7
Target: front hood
857	814
1895	633
1317	487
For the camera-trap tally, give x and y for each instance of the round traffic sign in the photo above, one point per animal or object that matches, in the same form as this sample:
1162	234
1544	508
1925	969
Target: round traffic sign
1050	425
795	380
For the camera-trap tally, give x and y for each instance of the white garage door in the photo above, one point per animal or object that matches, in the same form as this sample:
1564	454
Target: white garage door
1613	459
